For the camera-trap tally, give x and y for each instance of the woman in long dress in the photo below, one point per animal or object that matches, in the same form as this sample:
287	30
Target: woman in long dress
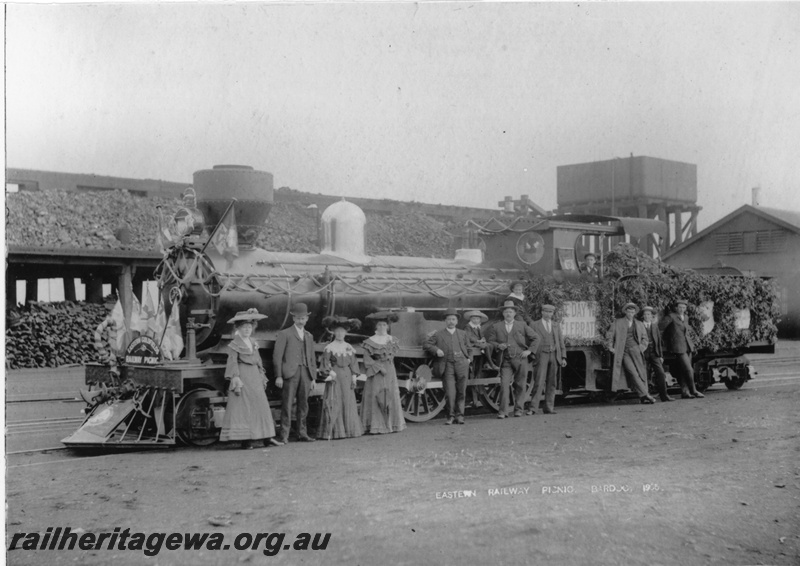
247	415
381	411
339	415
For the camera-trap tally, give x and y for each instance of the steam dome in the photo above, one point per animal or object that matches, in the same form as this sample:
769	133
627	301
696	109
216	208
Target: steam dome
343	232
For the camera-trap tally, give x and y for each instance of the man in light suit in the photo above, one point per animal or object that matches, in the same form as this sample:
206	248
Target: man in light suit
515	341
654	354
295	368
677	340
628	340
451	349
477	338
551	353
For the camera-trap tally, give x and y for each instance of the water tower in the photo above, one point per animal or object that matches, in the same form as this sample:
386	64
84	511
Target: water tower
640	187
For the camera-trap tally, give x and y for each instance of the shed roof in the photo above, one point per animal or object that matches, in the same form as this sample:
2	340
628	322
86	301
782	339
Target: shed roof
789	219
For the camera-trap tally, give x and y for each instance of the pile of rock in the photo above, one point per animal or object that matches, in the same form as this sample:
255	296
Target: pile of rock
118	220
52	334
97	220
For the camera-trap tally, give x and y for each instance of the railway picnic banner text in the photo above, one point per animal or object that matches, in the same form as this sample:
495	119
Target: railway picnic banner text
579	320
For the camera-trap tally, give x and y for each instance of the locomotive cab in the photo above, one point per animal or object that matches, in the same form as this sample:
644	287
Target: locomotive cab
548	246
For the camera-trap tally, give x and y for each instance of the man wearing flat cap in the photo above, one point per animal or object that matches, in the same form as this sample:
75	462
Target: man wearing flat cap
654	354
628	340
515	341
450	348
678	341
551	353
295	369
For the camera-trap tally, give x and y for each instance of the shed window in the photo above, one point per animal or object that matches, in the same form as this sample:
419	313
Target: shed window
762	242
771	241
729	243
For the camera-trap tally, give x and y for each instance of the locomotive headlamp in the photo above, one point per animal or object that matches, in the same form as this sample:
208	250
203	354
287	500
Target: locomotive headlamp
530	248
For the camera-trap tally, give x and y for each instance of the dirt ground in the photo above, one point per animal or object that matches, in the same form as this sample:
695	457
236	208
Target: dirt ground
723	475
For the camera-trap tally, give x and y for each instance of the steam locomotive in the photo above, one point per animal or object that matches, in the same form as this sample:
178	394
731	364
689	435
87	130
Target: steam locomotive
208	282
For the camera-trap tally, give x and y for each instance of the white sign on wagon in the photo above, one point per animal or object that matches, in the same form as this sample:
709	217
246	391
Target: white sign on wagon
579	320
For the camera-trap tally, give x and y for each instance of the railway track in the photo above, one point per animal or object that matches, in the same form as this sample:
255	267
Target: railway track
38	420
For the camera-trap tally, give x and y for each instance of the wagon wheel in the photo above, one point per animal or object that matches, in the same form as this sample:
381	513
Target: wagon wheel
490	394
702	376
420	403
731	378
194	420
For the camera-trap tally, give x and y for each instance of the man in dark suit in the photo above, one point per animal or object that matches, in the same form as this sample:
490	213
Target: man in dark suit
551	353
589	268
516	341
678	341
451	349
295	368
654	354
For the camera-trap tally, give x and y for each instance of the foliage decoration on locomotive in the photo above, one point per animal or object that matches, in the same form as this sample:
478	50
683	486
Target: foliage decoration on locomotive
213	270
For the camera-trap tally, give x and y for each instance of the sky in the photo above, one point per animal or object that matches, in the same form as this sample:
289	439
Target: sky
449	102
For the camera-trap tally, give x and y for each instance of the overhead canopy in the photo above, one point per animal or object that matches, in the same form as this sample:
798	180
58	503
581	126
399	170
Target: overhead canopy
636	227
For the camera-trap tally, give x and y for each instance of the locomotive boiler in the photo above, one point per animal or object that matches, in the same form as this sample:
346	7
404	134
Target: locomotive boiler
214	269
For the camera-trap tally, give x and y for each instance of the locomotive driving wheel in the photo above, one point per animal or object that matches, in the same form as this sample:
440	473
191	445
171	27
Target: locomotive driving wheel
195	417
490	394
420	398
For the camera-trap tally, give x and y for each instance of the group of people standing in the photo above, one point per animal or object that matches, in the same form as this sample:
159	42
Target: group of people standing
248	417
639	345
509	345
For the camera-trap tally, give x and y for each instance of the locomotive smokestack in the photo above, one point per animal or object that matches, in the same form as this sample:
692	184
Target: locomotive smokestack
253	190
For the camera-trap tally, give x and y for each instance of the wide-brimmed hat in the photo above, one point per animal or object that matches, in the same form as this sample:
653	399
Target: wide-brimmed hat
630	305
385	316
250	315
549	308
299	309
469	314
515	283
509	305
450	312
349	324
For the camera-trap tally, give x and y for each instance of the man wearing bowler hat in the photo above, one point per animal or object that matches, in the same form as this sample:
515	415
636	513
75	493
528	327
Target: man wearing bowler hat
295	368
516	341
678	340
451	350
552	352
628	340
654	354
